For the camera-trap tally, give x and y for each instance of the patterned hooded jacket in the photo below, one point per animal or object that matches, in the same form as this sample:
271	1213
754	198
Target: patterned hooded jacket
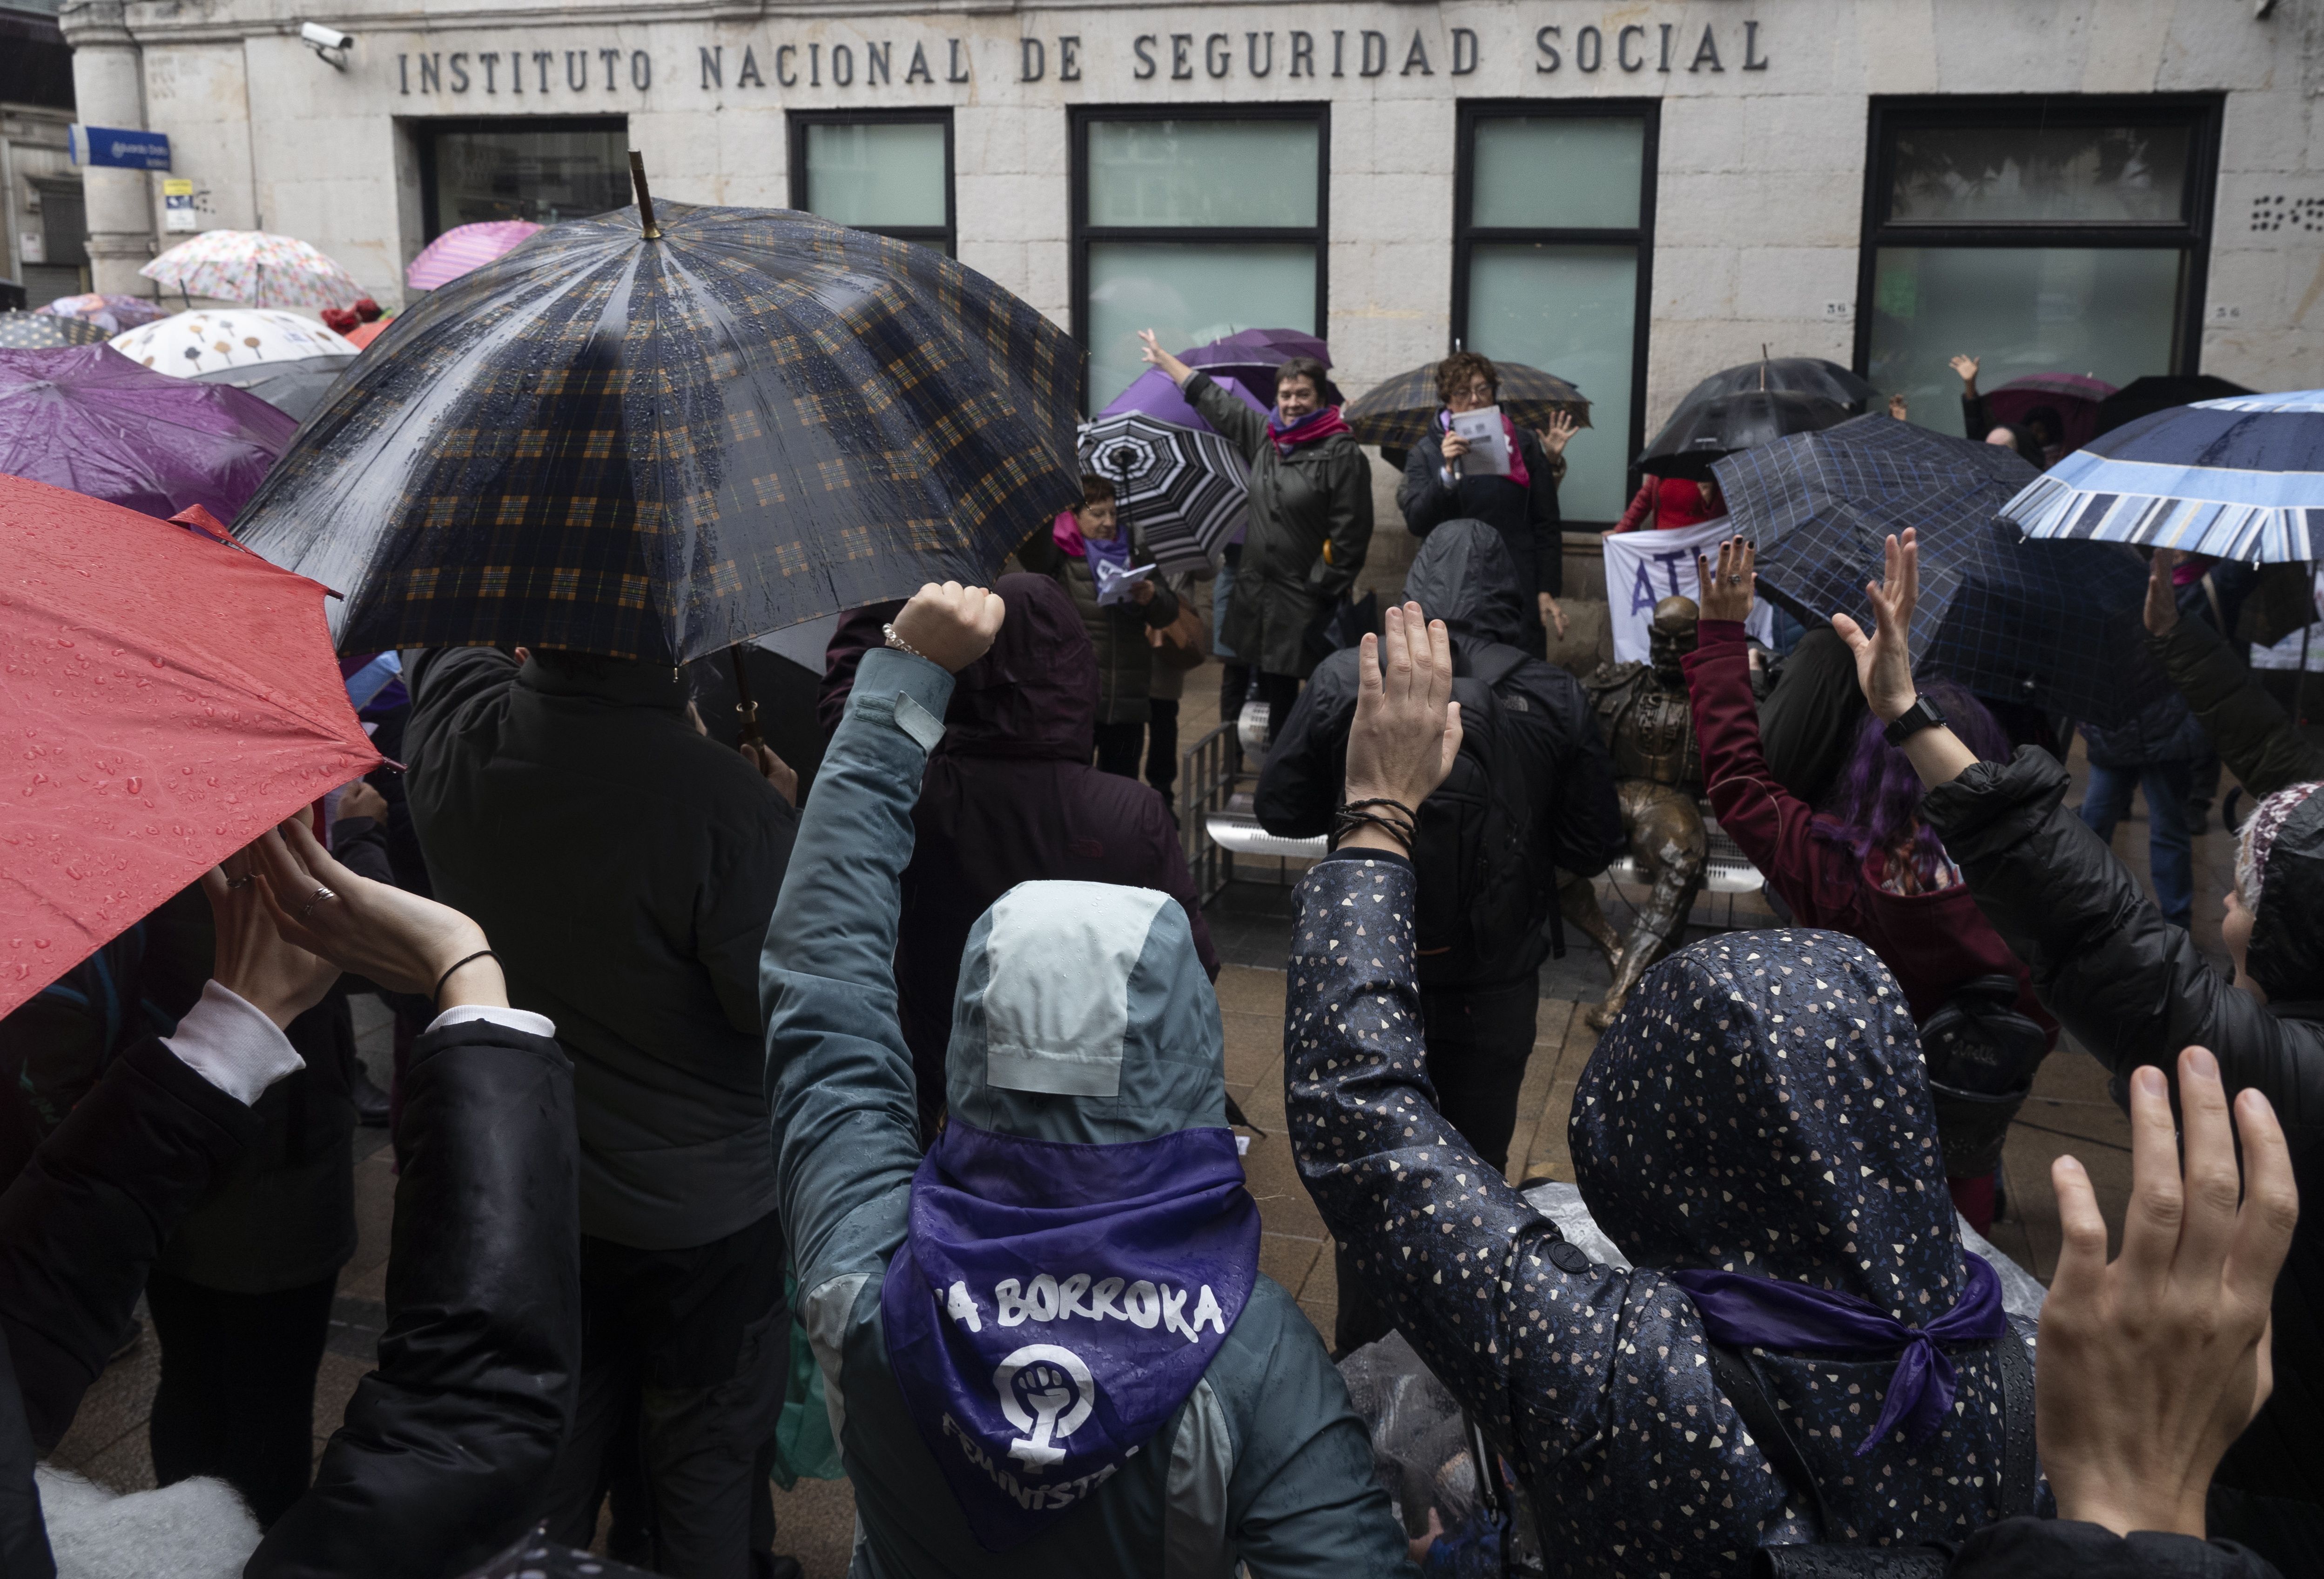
1758	1107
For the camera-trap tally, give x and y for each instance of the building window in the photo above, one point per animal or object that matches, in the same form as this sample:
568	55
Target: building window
2038	235
1195	223
889	172
1553	241
545	169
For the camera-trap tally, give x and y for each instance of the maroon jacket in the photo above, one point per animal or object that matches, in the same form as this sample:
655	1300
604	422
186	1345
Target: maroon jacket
1930	943
1010	797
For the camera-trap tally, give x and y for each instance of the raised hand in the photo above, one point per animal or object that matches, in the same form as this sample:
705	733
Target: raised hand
1726	588
1900	408
252	960
1408	727
1150	350
1559	433
2162	597
952	625
1967	367
2153	1365
399	940
1884	661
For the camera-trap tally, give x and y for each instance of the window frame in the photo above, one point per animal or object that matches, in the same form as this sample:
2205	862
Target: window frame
2190	234
1466	233
423	130
945	237
1078	121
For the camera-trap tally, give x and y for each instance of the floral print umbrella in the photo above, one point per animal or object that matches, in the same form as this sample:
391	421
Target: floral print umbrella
256	267
208	339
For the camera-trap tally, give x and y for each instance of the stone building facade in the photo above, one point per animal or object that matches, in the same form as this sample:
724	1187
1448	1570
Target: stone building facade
1631	194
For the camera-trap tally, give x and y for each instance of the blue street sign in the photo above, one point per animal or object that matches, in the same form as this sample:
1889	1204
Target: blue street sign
105	145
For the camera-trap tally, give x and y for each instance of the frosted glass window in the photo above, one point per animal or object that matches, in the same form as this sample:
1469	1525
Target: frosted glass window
877	173
1218	174
2108	312
1571	310
2040	175
1188	292
1559	173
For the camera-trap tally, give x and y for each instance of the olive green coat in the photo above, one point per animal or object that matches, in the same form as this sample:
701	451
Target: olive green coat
1311	526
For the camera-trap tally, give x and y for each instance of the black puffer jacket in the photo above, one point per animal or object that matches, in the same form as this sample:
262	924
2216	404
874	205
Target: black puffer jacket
2133	989
1462	577
447	1448
2163	731
2066	1548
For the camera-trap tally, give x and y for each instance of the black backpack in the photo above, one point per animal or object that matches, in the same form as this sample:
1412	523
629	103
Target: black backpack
1478	874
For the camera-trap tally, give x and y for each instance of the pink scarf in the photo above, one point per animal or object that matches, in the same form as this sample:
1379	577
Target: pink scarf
1310	429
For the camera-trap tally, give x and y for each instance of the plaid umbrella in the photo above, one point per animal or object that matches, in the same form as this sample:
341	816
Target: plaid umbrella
1402	410
657	444
1183	488
1700	432
2241	478
208	339
255	267
1801	374
41	331
2055	624
464	247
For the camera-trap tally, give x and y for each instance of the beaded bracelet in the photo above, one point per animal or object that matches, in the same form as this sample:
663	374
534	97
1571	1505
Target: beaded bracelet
901	645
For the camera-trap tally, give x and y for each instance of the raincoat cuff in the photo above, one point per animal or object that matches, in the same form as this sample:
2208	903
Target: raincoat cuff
1709	631
517	1020
1384	857
911	692
228	1042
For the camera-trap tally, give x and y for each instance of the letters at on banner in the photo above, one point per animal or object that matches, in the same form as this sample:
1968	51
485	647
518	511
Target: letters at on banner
1644	568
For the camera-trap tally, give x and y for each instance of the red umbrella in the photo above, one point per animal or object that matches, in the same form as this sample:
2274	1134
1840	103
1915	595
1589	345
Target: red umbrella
165	697
2073	397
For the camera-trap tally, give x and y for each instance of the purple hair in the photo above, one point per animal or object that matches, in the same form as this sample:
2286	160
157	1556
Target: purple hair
1875	804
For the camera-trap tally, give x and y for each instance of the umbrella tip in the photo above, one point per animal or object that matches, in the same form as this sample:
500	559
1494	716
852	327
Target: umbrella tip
645	198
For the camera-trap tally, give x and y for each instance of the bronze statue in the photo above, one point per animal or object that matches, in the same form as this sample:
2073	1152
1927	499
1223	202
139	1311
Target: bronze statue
1649	726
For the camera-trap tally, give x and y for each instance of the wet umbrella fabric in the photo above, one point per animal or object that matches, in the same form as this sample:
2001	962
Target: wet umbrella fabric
1153	394
464	247
1800	375
210	338
653	449
2240	479
89	419
2055	624
41	331
1183	491
169	698
115	314
254	267
1699	433
1252	356
293	388
1402	410
2073	398
2159	392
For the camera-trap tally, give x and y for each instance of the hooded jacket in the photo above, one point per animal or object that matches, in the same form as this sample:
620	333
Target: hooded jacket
2135	990
1462	577
1758	1107
1010	797
1084	1019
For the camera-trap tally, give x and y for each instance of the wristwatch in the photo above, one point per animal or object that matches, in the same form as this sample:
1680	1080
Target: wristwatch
1922	715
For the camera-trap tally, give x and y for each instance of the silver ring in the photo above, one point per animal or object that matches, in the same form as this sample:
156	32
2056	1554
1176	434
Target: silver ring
238	883
1735	581
320	895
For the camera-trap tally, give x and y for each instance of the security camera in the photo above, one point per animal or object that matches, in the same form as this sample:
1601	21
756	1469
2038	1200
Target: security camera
327	42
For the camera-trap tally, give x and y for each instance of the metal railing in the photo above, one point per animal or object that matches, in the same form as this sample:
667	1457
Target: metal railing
1207	782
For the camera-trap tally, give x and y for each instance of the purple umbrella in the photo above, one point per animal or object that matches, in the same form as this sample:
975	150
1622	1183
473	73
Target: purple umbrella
1152	392
1252	356
2073	397
89	419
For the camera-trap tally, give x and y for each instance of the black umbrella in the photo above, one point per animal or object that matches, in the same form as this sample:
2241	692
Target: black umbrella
295	388
2159	392
1402	410
2019	621
1699	434
1185	486
653	440
1801	374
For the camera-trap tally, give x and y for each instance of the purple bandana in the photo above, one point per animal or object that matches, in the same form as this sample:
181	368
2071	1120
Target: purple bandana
1747	1312
1054	1303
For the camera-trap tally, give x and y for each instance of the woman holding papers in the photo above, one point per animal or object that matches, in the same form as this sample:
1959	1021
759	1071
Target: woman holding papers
1484	467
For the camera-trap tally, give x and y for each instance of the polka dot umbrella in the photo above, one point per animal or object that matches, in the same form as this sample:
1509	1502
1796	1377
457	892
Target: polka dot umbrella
208	339
40	331
255	267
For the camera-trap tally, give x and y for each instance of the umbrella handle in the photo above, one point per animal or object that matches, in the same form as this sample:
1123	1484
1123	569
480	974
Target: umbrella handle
748	708
652	231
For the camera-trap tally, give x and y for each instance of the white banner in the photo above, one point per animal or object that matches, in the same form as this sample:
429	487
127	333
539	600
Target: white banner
1644	568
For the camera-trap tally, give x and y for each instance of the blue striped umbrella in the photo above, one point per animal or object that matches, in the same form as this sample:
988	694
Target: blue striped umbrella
2238	479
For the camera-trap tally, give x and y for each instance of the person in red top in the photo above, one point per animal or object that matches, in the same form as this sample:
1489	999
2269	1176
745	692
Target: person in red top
1870	867
1668	504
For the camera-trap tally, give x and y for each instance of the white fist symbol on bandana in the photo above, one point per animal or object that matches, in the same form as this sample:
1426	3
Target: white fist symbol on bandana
1046	1392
